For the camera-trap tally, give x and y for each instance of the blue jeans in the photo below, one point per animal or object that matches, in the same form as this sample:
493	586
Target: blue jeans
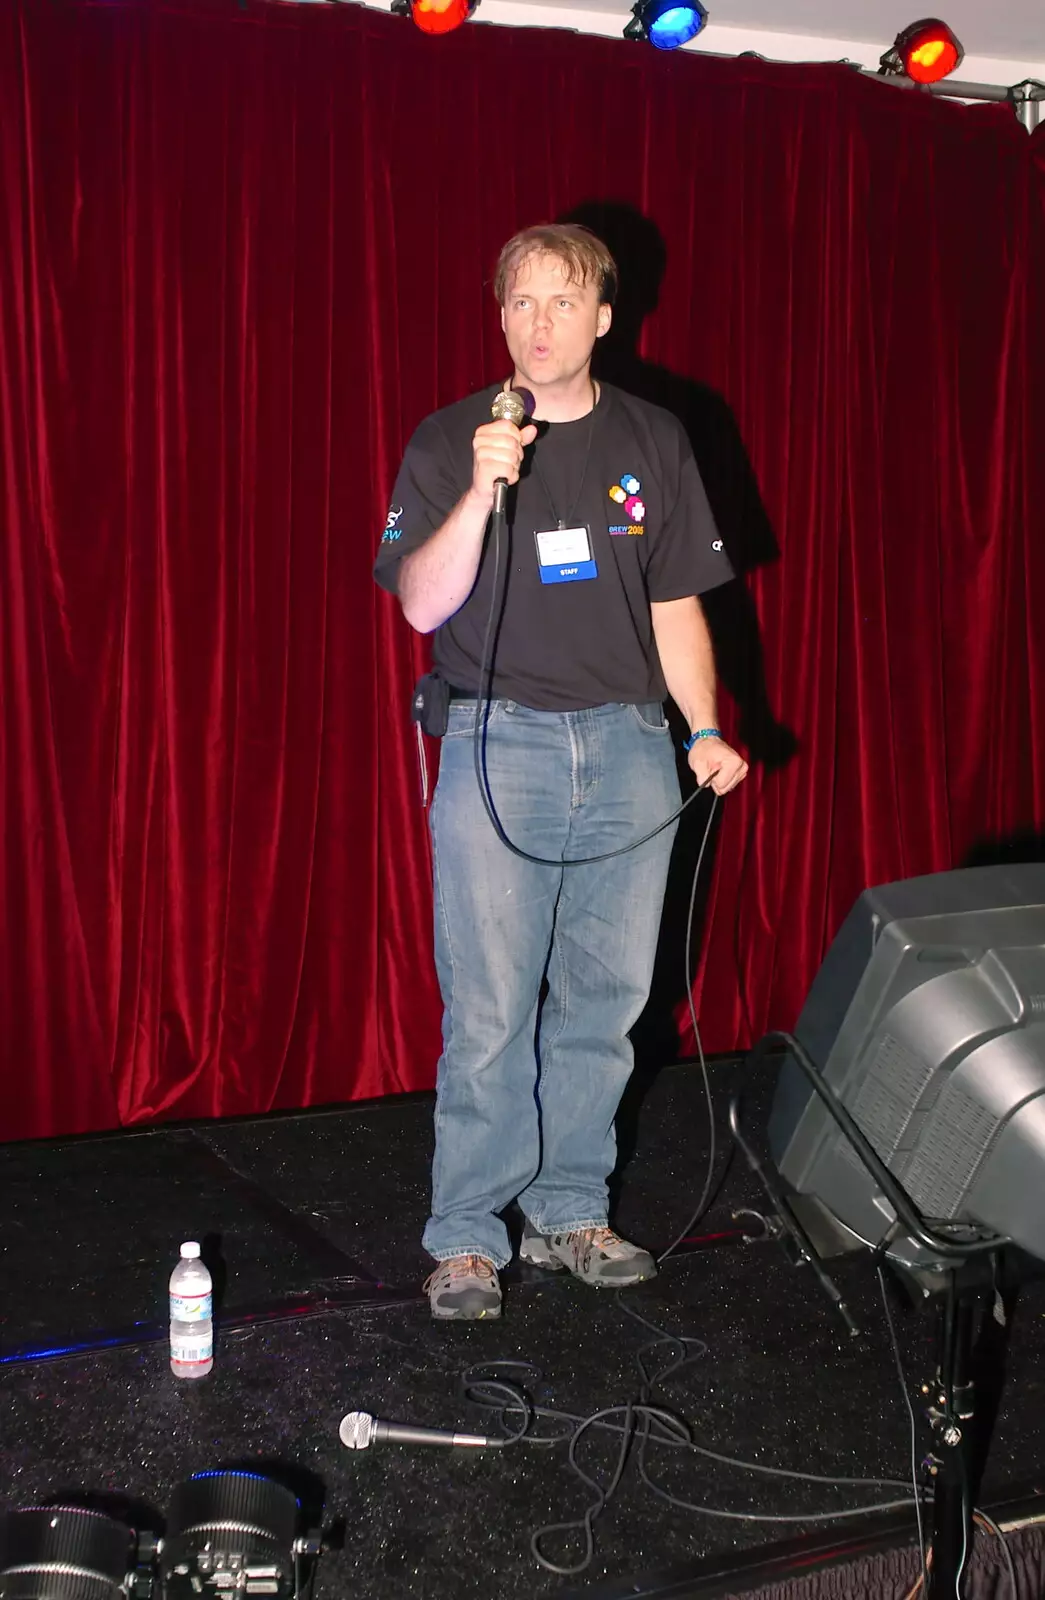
522	1115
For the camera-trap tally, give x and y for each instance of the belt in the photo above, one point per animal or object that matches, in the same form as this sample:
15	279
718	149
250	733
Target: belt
463	694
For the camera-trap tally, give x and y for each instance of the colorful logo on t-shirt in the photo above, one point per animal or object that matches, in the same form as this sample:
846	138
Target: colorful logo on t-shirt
391	532
627	495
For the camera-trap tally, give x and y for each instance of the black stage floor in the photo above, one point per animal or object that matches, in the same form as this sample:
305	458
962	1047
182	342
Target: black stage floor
316	1218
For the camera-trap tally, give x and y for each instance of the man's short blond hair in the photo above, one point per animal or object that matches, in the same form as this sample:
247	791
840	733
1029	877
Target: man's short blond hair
583	255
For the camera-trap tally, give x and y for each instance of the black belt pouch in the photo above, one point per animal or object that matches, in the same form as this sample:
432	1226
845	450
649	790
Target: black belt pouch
431	704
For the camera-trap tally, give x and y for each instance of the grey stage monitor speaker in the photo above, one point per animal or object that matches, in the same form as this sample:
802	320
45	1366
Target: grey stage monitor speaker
927	1018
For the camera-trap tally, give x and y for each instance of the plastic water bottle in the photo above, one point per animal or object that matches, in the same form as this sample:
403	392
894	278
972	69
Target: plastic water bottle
192	1326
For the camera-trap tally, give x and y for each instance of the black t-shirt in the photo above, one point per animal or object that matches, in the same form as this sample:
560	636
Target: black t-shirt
563	646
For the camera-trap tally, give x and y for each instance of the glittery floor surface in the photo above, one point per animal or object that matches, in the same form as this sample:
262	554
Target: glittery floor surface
293	1205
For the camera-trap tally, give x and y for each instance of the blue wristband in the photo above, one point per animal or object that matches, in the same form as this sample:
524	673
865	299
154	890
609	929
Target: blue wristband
701	733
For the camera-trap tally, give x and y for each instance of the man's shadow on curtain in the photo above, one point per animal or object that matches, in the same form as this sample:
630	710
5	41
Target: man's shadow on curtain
641	255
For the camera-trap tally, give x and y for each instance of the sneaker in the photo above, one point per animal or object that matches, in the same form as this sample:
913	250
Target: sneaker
464	1286
595	1255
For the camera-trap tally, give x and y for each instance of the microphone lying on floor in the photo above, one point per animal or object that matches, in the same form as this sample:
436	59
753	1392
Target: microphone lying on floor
359	1430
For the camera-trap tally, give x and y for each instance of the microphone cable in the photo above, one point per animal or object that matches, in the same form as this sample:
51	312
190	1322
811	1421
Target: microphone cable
504	1387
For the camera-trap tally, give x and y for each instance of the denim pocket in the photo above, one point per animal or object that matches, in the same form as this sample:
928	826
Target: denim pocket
461	723
651	716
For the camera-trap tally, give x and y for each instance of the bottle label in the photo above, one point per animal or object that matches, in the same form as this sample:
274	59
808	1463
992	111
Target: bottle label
191	1347
190	1307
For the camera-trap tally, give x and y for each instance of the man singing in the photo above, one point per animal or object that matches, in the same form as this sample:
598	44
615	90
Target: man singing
597	619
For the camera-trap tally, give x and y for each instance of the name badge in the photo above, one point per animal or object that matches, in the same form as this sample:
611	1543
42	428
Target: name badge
564	555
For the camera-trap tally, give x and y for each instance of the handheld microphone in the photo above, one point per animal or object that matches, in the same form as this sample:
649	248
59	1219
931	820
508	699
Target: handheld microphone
359	1430
509	405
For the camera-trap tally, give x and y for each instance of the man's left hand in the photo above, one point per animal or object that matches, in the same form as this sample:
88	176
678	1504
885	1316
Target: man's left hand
716	765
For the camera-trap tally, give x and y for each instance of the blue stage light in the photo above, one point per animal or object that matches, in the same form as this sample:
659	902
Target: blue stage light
665	24
675	26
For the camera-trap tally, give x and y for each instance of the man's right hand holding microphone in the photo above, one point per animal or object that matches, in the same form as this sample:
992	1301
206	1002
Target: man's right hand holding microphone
497	452
437	579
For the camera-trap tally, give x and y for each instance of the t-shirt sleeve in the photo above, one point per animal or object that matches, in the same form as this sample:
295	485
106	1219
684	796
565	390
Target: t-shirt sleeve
425	493
688	556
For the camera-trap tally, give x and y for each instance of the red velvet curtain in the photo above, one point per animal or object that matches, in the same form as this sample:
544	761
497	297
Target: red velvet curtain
243	249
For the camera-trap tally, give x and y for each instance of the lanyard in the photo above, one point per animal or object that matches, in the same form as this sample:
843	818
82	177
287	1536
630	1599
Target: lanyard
566	522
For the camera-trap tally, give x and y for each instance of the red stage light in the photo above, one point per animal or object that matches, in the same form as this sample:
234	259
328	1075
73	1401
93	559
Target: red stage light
926	51
440	16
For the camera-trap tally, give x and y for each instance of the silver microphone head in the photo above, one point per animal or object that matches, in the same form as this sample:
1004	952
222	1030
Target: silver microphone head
513	405
356	1431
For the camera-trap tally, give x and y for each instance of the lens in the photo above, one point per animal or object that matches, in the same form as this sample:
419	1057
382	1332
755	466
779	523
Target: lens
64	1553
230	1531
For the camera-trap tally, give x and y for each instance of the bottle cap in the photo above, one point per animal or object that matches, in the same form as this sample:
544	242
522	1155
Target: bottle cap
190	1250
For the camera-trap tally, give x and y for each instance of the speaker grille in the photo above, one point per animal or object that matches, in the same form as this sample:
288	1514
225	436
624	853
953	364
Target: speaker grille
960	1135
889	1095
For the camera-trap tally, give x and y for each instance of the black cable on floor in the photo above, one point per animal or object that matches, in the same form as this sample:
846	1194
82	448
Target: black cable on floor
503	1387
